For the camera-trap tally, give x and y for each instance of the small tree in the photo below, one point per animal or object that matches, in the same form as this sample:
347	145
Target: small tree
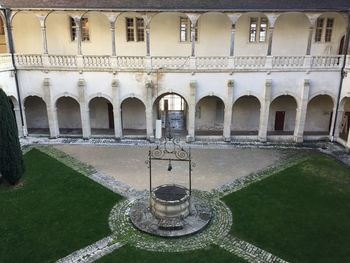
11	162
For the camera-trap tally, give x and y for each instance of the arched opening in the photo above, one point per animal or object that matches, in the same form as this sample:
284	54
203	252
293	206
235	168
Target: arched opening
133	113
345	120
245	116
172	110
282	116
68	115
319	115
26	33
3	47
101	117
36	116
210	116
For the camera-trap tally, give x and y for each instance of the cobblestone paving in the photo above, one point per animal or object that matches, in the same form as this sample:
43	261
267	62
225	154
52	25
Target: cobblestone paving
216	233
92	252
125	232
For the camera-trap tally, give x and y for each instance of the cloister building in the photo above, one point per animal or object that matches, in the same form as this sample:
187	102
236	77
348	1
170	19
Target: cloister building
228	70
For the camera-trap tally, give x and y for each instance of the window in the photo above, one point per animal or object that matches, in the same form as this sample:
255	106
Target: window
258	29
84	31
327	27
185	30
135	29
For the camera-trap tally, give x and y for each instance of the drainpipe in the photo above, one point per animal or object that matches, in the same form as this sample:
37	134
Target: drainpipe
342	75
12	52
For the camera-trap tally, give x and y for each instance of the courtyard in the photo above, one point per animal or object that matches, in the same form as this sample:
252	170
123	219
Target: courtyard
271	204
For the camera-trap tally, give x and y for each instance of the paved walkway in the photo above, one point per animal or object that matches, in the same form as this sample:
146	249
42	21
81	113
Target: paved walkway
214	167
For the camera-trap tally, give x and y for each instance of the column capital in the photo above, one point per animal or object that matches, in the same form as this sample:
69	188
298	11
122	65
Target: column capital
230	83
112	17
147	18
272	17
193	17
312	18
42	17
234	17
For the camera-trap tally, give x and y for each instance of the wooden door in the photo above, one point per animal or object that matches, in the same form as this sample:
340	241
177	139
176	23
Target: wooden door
279	120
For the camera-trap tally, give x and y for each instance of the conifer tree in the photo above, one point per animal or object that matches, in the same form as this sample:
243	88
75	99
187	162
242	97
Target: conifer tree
11	162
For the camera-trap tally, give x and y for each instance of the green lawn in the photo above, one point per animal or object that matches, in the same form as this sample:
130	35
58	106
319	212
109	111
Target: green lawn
301	214
54	213
133	255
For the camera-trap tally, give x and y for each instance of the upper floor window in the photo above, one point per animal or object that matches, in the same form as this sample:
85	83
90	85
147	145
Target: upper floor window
84	31
185	30
135	29
324	25
258	29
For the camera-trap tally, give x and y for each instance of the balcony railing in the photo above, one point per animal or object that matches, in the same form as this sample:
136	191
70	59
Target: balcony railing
109	63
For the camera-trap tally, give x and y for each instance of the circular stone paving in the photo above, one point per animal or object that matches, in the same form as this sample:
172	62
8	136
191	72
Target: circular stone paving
218	227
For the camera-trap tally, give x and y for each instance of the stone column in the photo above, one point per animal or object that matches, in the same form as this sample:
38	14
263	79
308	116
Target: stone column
147	23
265	111
51	109
116	110
312	18
77	21
149	110
272	20
192	112
193	17
228	111
42	18
112	18
332	122
233	18
84	109
338	122
348	141
301	112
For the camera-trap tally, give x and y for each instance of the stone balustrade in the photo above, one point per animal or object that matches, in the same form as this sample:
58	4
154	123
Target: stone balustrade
108	63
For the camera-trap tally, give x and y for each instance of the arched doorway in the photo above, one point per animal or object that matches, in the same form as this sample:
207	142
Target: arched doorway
101	117
319	115
210	116
245	116
68	115
36	116
282	116
172	110
133	113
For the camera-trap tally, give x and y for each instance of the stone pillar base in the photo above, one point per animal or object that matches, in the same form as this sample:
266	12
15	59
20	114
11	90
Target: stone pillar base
189	138
227	139
298	139
151	138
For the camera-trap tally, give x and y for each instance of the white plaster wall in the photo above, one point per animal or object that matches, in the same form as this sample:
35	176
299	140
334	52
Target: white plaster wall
27	34
8	84
68	113
165	36
99	113
290	35
133	114
330	48
287	104
125	48
206	118
214	34
58	34
100	42
36	112
242	45
245	114
319	112
3	48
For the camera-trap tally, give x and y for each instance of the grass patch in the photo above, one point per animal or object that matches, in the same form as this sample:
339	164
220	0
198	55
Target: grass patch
55	212
133	255
301	214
